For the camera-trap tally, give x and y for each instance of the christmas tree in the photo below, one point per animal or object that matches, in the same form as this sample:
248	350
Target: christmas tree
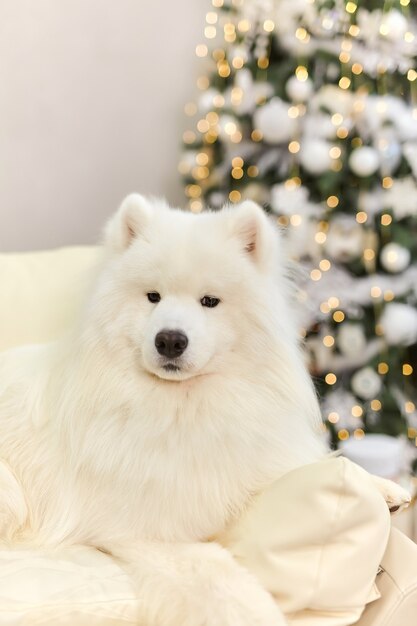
309	107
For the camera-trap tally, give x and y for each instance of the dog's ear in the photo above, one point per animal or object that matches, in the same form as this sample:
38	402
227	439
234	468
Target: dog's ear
255	231
128	222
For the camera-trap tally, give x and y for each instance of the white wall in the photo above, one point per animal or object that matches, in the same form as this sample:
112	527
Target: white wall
91	107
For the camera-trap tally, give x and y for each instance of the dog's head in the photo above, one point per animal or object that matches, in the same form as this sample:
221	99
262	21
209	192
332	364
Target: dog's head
188	295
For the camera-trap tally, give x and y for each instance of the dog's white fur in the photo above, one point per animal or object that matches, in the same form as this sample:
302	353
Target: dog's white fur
99	444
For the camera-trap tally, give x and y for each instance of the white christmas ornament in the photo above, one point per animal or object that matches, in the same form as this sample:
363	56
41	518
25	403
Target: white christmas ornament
399	322
366	383
364	161
315	156
351	339
273	121
345	239
299	90
394	25
395	258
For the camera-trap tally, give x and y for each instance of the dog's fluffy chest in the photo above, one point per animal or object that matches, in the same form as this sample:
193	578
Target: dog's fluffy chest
174	475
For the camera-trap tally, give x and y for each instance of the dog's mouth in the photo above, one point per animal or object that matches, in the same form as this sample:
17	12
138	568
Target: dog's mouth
171	367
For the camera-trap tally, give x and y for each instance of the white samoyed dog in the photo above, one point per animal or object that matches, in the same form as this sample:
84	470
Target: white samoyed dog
181	394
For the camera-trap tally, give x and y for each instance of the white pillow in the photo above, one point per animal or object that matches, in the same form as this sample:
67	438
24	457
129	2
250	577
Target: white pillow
75	586
42	292
315	540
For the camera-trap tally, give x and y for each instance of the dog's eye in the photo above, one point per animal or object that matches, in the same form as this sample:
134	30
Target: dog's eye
210	301
153	296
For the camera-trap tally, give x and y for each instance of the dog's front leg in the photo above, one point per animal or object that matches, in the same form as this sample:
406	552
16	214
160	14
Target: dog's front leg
13	508
196	584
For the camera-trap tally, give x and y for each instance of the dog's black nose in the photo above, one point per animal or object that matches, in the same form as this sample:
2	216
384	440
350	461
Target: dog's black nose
171	343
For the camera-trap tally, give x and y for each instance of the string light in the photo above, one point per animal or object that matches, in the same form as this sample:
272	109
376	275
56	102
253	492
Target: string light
409	408
237	162
386	219
342	132
256	135
188	137
201	50
210	32
328	341
343	434
203	126
237	173
196	206
301	73
369	255
315	274
252	171
333	417
351	7
344	82
383	368
243	26
211	17
338	316
324	265
263	63
294	147
203	83
320	237
361	217
235	196
376	405
407	369
190	109
269	26
333	302
223	69
359	433
387	182
296	220
218	101
193	191
330	378
357	411
376	291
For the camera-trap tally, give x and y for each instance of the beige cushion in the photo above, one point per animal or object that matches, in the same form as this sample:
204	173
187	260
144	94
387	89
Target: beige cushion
41	292
77	586
397	584
315	540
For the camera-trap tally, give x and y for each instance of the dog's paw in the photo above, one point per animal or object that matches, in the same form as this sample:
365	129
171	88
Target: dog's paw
396	497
